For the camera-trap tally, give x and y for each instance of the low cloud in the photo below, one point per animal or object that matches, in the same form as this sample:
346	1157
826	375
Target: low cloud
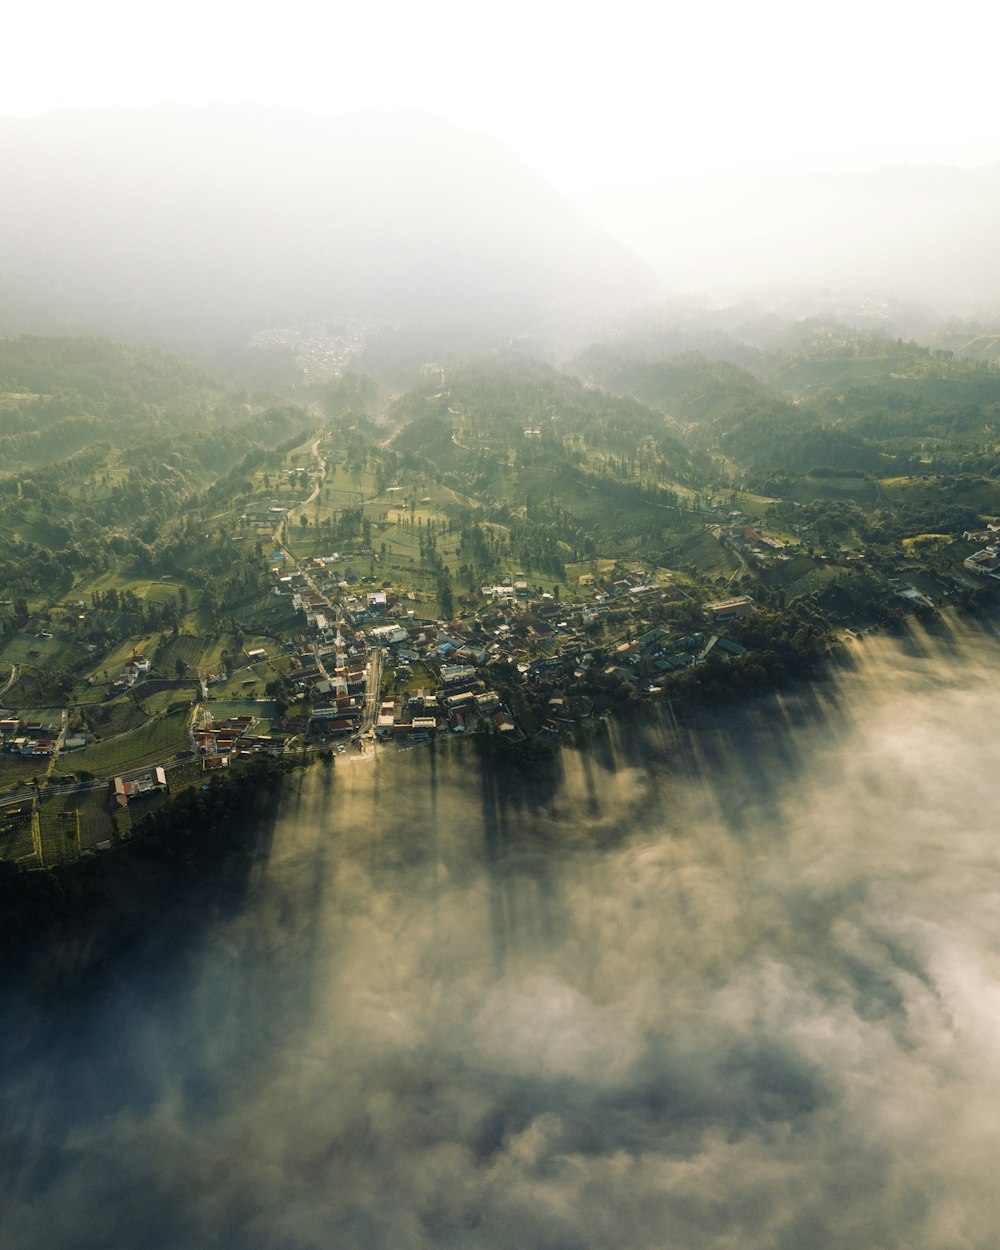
718	990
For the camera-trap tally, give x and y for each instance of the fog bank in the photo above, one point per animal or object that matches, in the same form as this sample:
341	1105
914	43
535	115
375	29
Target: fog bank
919	232
726	988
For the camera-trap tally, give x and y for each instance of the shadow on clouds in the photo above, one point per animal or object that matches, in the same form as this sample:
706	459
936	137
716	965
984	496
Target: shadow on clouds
725	986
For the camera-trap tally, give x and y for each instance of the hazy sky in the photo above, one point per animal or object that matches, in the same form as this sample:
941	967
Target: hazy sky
596	97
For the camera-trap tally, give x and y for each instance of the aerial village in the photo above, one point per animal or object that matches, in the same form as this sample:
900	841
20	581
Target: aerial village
352	654
364	676
360	642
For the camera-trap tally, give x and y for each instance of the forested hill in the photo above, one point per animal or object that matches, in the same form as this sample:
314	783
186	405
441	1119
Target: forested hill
61	395
502	412
830	398
104	449
98	369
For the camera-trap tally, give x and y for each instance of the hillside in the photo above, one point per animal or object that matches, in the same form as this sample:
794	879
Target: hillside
560	545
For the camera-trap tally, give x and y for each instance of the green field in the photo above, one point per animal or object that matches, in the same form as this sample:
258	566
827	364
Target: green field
187	649
704	554
168	700
18	770
115	660
17	841
814	579
50	716
807	489
40	659
420	677
154	743
982	494
57	824
784	572
245	683
223	709
117	716
71	824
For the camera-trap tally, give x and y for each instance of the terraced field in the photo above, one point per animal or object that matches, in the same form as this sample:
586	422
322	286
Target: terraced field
186	648
261	709
16	770
57	825
16	837
108	720
154	742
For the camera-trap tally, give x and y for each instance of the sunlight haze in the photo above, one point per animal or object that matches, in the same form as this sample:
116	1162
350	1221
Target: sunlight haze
595	99
499	626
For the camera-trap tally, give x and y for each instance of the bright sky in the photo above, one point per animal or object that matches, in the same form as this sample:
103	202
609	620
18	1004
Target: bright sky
595	97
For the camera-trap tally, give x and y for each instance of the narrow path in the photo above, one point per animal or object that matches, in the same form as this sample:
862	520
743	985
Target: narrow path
15	672
279	529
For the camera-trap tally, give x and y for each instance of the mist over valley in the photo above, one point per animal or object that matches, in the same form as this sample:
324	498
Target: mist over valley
203	226
499	545
729	985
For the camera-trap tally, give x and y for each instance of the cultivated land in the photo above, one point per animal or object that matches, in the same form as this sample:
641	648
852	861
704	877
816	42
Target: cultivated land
193	579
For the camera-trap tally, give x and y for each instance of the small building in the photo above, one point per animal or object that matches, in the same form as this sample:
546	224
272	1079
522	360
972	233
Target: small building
454	674
124	792
463	699
728	609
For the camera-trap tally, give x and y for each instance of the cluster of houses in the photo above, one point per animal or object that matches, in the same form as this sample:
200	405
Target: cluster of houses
986	561
421	714
529	632
21	737
136	670
335	678
139	785
754	546
658	652
218	742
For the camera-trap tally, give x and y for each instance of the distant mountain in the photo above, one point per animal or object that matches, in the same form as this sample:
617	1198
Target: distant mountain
183	223
921	233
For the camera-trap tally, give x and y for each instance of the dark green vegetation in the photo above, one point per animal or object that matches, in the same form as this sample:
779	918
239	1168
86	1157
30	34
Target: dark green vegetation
114	898
569	527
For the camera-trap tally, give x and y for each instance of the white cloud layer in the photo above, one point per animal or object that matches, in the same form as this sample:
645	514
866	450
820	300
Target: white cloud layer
732	988
594	96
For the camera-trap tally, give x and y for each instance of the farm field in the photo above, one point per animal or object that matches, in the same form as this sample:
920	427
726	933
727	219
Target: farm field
51	717
153	743
18	770
181	655
30	649
979	493
118	716
223	709
17	835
